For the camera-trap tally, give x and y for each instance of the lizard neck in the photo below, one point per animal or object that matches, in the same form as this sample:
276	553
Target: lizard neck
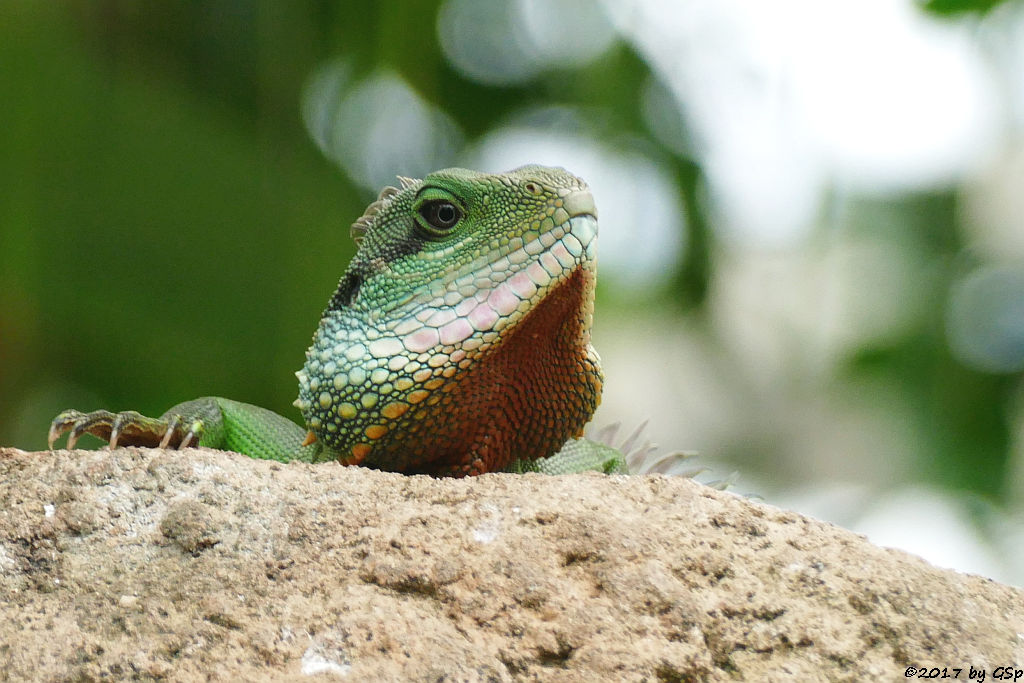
527	395
522	393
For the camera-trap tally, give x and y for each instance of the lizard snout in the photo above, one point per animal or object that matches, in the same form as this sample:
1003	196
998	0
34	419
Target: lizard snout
579	203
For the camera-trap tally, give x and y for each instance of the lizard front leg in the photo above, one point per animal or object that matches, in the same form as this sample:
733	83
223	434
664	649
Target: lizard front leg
211	422
128	428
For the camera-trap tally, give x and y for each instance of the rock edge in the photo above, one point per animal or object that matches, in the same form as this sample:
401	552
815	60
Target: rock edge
200	564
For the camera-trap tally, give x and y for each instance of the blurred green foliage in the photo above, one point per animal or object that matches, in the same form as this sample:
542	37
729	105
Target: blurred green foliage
961	6
167	229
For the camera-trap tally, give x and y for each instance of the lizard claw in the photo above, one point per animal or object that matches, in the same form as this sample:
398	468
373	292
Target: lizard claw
191	437
61	424
76	423
128	428
120	422
173	425
96	423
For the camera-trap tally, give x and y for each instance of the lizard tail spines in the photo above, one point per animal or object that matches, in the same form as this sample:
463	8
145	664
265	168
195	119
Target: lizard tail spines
643	457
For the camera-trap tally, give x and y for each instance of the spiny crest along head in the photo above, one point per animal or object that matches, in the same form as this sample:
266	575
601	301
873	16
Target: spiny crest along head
362	224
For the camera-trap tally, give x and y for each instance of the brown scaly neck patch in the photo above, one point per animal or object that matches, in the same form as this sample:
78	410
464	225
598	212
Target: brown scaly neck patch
522	400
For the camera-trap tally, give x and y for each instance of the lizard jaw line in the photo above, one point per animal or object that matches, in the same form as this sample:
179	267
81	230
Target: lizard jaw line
571	243
508	300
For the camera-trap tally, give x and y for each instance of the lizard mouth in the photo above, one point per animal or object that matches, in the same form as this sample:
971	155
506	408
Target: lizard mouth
495	296
548	261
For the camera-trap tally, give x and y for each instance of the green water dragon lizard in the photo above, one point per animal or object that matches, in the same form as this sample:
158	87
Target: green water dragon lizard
457	342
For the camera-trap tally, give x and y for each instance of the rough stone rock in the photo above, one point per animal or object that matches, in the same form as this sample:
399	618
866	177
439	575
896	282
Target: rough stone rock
200	564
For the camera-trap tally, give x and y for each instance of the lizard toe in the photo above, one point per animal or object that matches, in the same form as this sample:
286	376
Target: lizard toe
193	435
174	423
98	423
61	424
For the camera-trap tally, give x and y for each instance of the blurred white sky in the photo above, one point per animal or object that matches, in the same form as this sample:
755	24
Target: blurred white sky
788	99
783	100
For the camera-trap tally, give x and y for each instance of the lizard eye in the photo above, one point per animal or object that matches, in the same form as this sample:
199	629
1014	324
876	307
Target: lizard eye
441	215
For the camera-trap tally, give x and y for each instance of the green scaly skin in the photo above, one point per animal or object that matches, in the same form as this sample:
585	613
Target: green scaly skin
457	342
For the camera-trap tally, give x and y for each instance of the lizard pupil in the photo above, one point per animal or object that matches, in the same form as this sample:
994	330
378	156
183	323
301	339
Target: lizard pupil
441	215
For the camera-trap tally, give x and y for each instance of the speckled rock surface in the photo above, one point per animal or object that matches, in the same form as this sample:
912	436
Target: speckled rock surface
200	565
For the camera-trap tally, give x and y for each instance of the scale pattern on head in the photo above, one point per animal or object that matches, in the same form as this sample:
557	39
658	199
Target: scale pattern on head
458	339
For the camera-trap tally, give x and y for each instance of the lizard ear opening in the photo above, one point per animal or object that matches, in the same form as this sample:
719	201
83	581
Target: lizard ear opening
348	290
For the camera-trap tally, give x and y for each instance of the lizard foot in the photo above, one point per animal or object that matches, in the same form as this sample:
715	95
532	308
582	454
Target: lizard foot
127	429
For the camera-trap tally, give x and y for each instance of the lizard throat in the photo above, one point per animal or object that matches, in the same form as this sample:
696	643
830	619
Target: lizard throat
521	400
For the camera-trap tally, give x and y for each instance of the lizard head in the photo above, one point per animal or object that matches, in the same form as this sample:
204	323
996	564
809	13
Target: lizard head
450	269
418	240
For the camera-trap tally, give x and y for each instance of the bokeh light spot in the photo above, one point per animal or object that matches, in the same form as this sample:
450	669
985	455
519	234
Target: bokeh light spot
506	43
377	128
985	320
